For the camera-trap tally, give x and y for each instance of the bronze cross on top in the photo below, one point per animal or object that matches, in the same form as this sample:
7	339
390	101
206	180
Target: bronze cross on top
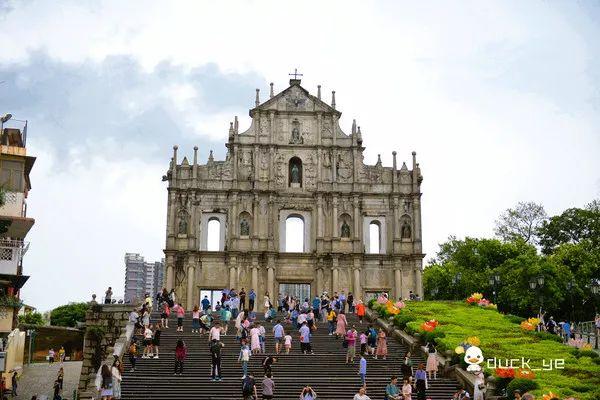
296	74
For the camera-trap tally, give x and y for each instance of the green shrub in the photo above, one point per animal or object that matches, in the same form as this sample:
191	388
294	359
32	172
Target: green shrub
546	336
371	303
402	319
514	318
524	385
587	353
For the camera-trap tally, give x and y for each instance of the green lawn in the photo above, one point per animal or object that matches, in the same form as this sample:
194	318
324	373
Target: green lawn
502	338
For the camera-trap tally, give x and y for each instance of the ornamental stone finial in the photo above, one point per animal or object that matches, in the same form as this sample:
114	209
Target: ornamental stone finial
272	92
257	101
319	92
333	98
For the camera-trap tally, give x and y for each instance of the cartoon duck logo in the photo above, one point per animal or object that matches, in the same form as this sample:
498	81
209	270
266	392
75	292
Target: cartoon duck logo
473	357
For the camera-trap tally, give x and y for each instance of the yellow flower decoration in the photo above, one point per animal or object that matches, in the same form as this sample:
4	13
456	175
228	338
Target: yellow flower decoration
474	341
550	396
477	296
459	350
587	346
533	321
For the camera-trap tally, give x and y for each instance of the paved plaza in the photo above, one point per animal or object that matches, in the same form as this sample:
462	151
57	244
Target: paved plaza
39	379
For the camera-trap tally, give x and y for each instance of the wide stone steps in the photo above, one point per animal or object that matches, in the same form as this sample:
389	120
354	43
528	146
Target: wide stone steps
325	370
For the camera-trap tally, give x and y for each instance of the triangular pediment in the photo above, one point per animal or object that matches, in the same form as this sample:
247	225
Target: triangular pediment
295	99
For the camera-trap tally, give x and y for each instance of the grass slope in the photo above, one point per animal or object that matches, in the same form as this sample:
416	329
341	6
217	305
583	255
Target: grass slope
502	338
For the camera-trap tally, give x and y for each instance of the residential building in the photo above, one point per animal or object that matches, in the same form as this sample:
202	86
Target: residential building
15	167
141	277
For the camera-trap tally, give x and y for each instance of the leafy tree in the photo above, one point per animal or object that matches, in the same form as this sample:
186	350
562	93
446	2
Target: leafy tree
68	314
572	226
521	222
32	318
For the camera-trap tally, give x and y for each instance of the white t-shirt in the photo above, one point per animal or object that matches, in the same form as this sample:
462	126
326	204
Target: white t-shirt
215	333
361	397
288	340
301	318
245	354
148	333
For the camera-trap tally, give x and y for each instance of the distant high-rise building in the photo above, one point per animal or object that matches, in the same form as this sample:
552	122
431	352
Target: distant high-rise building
141	277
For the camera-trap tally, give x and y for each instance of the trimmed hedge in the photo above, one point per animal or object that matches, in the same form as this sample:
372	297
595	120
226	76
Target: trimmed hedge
502	338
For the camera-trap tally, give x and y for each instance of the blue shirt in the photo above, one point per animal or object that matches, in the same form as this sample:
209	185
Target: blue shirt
420	374
252	295
567	328
392	390
278	331
305	333
363	366
316	303
205	304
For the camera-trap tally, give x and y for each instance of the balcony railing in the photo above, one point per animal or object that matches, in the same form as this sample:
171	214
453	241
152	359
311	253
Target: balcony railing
11	255
14	205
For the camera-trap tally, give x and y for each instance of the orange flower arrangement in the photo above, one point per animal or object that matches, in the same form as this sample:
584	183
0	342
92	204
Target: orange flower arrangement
430	325
525	374
550	396
505	372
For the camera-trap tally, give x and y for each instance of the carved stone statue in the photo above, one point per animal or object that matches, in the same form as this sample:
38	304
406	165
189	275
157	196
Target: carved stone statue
244	228
296	138
406	231
183	226
295	174
345	230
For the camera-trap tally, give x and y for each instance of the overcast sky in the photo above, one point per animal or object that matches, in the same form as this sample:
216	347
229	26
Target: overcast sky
500	100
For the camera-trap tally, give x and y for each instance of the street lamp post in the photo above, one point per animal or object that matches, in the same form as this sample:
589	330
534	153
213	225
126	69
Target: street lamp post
570	286
537	284
595	285
494	282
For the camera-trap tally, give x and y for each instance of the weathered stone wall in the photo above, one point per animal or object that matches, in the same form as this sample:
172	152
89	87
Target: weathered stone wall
111	320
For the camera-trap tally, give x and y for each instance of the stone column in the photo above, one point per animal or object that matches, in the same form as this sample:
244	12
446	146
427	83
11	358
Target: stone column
319	282
232	272
396	223
334	275
319	216
169	272
255	273
271	277
357	221
418	279
334	218
255	211
397	282
356	286
191	275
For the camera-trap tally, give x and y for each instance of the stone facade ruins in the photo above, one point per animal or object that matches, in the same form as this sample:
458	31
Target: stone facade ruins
294	161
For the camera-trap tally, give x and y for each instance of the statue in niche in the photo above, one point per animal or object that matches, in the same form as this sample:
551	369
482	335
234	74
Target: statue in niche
295	173
244	228
345	229
296	137
183	225
406	206
405	232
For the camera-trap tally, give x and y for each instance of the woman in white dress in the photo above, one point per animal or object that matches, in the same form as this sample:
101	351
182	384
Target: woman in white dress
267	301
479	389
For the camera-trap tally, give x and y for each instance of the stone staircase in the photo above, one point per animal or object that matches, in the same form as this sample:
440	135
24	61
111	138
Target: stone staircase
325	370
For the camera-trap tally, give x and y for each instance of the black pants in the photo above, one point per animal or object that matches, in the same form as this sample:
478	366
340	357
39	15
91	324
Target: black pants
178	366
250	305
132	361
216	368
305	347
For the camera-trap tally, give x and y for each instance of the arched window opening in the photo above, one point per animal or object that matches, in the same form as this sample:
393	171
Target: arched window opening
295	172
294	235
374	238
213	238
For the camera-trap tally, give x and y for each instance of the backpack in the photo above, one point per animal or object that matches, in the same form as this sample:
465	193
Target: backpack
372	334
247	386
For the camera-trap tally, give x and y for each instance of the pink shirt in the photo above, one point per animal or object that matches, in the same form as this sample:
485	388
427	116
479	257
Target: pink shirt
180	312
195	314
363	338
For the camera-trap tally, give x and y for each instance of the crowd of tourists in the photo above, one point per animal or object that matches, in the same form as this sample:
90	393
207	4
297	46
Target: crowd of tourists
571	332
295	319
